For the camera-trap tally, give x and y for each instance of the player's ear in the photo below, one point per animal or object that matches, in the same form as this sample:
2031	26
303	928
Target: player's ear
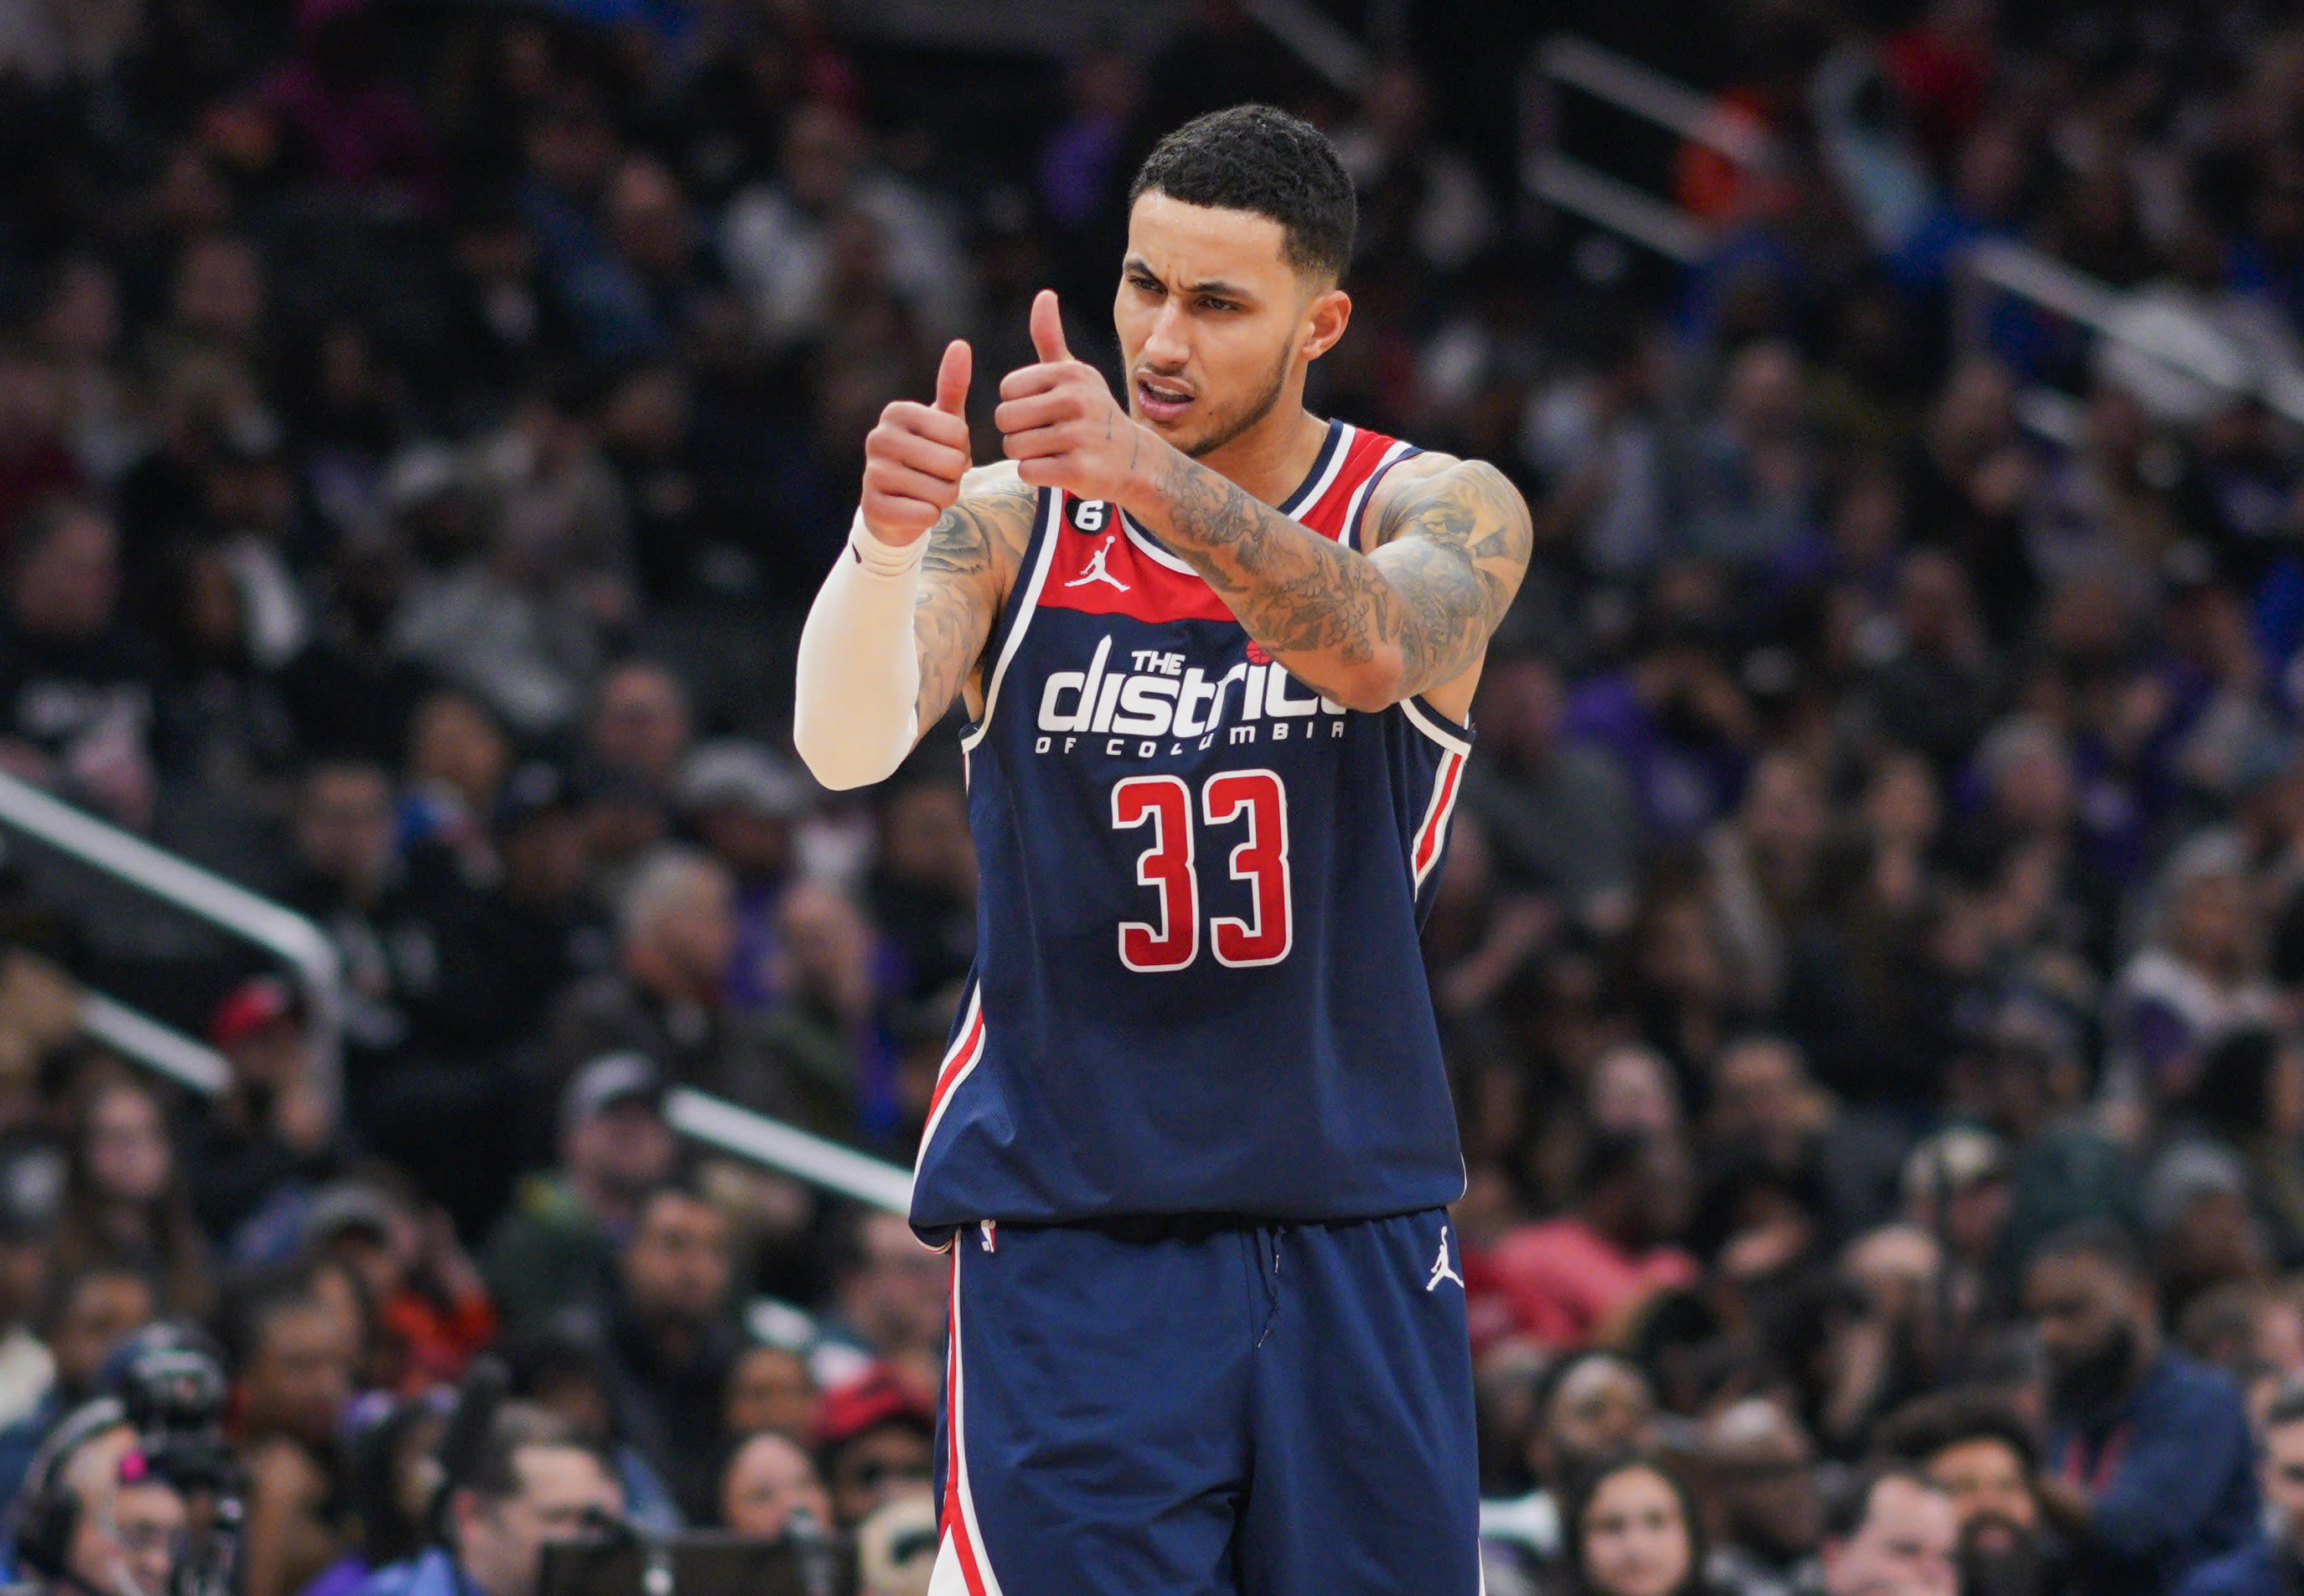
1323	321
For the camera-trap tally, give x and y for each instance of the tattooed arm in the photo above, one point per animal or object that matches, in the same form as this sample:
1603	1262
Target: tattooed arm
974	551
908	606
1368	630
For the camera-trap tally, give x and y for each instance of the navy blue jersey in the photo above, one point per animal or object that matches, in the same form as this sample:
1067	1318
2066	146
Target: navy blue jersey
1198	988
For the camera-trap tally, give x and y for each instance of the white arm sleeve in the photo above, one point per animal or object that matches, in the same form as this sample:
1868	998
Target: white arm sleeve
856	714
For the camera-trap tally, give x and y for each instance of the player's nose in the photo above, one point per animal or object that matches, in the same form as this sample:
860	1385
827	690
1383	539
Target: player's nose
1166	347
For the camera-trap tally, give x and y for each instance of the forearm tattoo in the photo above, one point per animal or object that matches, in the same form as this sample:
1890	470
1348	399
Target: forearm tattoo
973	553
1453	547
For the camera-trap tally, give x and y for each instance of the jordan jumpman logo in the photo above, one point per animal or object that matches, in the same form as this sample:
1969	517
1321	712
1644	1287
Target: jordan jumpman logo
1095	571
1442	1269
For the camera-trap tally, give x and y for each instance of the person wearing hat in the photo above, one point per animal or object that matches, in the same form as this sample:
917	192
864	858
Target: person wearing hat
543	928
271	1138
876	1443
742	800
557	1244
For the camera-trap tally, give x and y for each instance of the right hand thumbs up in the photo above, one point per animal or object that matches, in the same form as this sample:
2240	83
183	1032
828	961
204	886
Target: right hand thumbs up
914	458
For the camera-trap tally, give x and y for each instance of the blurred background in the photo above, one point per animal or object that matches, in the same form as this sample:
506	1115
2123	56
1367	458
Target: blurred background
1871	953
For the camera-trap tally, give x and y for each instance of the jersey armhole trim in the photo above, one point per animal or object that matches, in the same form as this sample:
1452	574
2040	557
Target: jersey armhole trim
1355	535
1047	517
1456	739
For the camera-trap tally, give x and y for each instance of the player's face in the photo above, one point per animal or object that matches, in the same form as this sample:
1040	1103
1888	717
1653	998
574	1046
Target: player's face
1216	327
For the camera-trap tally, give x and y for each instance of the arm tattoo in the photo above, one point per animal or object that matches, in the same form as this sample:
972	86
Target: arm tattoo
1454	545
973	557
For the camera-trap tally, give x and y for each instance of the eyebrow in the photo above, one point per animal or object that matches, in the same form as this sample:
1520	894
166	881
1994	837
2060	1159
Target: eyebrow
1215	285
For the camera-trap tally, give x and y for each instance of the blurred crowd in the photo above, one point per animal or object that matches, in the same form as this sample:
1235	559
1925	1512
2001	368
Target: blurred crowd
1871	956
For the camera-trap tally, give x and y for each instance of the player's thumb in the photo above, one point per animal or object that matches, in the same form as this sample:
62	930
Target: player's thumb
951	377
1049	327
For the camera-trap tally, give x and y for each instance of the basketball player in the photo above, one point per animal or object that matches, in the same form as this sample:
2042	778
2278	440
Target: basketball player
1192	1138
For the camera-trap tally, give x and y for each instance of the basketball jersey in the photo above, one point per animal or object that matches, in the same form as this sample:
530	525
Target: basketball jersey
1198	986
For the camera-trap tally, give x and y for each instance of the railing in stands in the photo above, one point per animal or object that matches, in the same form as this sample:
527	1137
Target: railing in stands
715	1122
1999	266
204	895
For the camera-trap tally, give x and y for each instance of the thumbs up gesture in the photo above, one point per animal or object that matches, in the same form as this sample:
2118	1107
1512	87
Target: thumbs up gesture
1060	423
916	456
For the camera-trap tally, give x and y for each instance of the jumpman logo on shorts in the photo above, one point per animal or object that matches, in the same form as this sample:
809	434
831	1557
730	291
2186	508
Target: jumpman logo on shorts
1442	1269
1095	571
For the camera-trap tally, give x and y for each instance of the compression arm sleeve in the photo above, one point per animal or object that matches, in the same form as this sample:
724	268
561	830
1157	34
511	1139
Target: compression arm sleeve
856	714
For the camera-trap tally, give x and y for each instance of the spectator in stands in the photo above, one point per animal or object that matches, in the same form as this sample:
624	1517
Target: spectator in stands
667	999
1629	1528
558	1246
125	1197
1568	1278
772	1390
31	1194
1761	1468
257	1152
664	1331
86	1315
565	1370
544	927
876	1437
129	1523
432	1313
77	689
742	801
770	1481
531	1482
2150	1470
641	722
1888	1531
2265	1566
296	1350
892	1297
1975	1448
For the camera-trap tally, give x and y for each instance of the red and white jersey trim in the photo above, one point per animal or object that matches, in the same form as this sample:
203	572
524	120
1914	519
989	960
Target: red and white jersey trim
1432	834
959	1062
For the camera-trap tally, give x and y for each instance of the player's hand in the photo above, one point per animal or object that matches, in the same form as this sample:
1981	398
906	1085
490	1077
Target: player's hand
1060	423
914	459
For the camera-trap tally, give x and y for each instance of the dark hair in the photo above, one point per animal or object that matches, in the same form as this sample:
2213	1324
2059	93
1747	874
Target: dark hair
2106	1241
1848	1505
1576	1500
1257	158
1920	1430
512	1429
2234	1075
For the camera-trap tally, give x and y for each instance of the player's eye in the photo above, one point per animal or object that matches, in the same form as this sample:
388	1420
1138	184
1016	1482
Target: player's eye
1217	304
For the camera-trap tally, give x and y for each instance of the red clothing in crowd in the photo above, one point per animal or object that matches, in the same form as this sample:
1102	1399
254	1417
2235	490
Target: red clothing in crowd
1564	1280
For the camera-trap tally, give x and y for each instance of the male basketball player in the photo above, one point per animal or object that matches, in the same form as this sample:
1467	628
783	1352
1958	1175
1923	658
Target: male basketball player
1192	1137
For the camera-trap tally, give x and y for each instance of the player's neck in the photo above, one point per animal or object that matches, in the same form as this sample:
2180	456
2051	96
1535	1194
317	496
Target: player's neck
1271	459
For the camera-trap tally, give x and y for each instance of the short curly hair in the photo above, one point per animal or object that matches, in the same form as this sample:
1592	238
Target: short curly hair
1262	159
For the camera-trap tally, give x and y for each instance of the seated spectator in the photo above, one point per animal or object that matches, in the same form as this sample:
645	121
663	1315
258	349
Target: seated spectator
1589	1406
641	723
432	1313
2267	1565
296	1351
567	1373
531	1482
1631	1529
1567	1278
1889	1531
126	1519
2150	1468
86	1315
875	1440
1976	1449
556	1247
892	1299
253	1156
663	1331
668	998
544	927
771	1391
742	801
1761	1468
390	1470
77	689
125	1197
770	1483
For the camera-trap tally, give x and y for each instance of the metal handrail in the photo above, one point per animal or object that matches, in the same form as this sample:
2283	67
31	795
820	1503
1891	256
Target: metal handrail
1635	86
718	1123
203	894
157	1046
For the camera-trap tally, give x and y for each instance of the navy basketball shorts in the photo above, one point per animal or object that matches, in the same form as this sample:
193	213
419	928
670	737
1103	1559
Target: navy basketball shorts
1201	1407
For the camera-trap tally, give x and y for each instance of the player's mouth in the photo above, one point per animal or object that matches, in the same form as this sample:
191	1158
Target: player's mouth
1161	400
